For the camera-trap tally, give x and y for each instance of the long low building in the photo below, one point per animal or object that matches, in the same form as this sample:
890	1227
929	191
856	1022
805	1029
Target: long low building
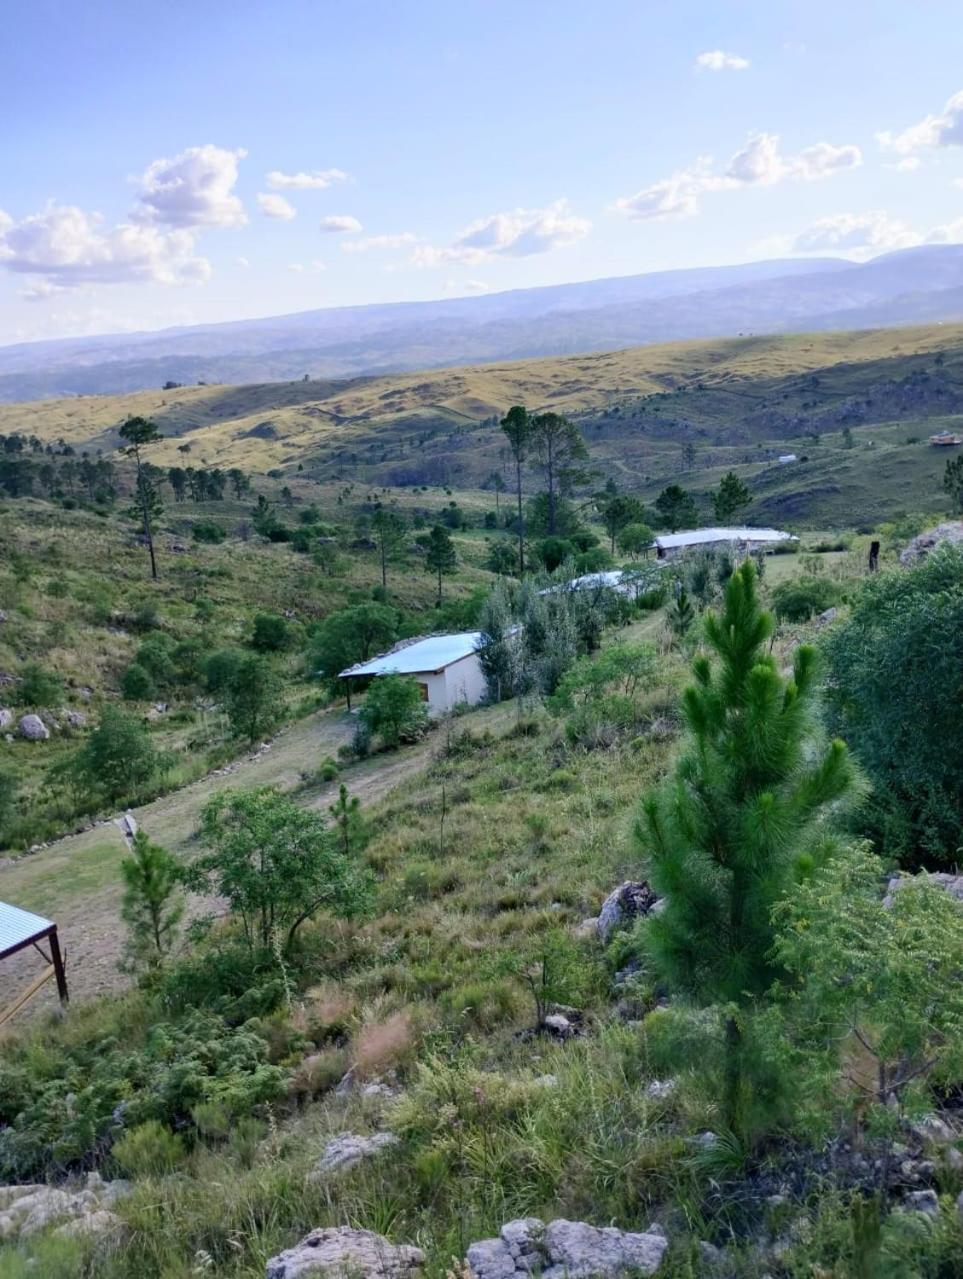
744	539
446	667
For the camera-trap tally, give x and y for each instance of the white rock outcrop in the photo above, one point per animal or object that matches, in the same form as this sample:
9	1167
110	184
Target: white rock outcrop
24	1210
351	1148
341	1252
565	1250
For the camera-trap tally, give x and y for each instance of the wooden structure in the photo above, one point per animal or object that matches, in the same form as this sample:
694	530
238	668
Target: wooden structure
20	929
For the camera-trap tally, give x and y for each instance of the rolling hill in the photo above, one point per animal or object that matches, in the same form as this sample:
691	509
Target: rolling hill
823	294
856	409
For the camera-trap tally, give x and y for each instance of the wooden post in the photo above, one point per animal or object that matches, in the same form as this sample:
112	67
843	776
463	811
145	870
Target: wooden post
58	967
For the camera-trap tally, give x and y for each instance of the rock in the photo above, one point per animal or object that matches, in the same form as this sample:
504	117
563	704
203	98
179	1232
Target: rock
565	1250
344	1253
659	1089
586	929
922	1201
920	547
384	1092
625	975
127	824
76	719
952	884
705	1140
713	1258
625	903
349	1149
27	1209
98	1223
559	1025
6	717
828	616
33	728
581	1251
546	1081
931	1128
954	1158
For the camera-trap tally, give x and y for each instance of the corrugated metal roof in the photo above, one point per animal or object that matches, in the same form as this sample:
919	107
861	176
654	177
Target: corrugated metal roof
699	536
18	926
429	654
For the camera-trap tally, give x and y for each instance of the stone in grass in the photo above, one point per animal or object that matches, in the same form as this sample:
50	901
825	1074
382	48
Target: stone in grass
341	1252
33	728
629	901
925	1201
351	1148
565	1250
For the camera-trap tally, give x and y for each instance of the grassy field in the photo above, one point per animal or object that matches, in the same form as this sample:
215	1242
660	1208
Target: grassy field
738	402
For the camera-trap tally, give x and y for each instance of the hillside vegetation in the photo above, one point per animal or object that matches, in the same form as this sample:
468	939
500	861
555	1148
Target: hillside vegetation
734	403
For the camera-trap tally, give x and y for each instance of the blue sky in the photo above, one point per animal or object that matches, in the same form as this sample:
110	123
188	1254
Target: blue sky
202	161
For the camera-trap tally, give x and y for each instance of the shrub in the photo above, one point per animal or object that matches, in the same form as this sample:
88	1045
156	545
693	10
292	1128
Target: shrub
220	668
40	687
136	684
208	531
117	758
154	656
553	552
253	698
271	634
595	560
149	1150
393	710
803	597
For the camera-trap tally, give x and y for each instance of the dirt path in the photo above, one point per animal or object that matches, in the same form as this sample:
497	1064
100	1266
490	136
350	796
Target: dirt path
76	880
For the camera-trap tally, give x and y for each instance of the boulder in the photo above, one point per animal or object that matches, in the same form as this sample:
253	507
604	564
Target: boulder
344	1253
828	616
26	1210
33	728
565	1250
6	718
920	547
76	719
925	1201
349	1149
624	904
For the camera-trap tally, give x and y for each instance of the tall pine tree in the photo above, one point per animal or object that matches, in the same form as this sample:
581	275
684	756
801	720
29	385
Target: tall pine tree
732	830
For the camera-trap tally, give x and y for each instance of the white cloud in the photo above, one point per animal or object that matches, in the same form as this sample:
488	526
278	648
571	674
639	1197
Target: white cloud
243	262
870	233
318	265
297	267
275	206
316	180
192	189
396	241
65	247
719	60
340	222
461	287
758	163
520	233
942	130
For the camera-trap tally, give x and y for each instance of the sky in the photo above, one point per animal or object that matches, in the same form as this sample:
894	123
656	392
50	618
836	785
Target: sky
192	162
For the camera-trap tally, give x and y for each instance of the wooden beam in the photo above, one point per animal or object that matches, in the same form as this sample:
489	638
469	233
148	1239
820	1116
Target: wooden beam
26	995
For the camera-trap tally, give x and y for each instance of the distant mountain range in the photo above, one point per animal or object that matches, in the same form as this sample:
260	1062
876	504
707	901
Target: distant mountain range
923	285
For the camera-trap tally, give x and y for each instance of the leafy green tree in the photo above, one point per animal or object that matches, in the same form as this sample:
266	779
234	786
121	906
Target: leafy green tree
883	972
152	905
559	448
894	690
635	538
277	865
502	558
220	668
730	497
393	710
389	529
118	758
676	507
554	551
440	556
619	511
351	834
351	635
517	426
733	830
953	481
39	687
253	698
140	433
498	641
271	633
136	684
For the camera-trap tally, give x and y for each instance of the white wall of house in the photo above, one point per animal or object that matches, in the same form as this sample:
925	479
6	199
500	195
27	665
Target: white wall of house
465	682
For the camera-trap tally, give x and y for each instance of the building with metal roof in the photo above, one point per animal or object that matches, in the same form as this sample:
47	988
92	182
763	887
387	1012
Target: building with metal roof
20	929
744	539
446	668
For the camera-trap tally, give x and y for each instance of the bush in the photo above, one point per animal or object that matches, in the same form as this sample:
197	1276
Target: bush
552	552
220	669
595	560
154	656
149	1150
803	598
136	684
393	710
208	531
40	687
271	633
117	758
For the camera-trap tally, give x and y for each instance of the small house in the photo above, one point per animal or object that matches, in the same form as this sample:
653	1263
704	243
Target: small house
946	440
786	458
446	668
669	545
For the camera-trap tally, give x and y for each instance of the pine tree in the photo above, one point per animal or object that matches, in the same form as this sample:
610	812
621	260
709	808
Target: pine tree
681	615
730	833
517	425
730	497
139	432
440	556
152	905
351	835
